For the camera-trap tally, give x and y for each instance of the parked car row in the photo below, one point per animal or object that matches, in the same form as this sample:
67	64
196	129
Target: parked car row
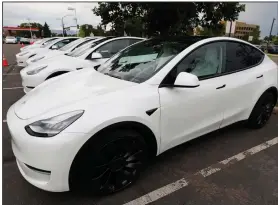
10	39
125	100
271	49
17	39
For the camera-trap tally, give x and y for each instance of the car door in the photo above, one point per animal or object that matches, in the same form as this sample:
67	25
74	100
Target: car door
187	113
243	76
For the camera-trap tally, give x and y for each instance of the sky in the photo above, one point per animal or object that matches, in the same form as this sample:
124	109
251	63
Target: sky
15	13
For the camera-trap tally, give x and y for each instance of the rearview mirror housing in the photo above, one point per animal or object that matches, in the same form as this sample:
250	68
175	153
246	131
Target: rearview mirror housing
96	56
186	80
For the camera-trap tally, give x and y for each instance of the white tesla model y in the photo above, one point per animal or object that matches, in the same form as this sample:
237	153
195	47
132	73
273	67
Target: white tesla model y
97	129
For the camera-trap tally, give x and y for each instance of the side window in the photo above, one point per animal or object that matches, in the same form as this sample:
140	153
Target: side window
205	61
62	43
111	48
240	56
81	44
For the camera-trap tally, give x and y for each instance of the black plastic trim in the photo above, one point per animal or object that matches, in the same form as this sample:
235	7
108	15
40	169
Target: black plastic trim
36	169
150	112
177	86
223	86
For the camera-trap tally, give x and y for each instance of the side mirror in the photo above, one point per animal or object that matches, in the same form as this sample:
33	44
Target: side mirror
54	47
96	56
186	80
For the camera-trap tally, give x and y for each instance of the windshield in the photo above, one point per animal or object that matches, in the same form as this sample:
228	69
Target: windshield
47	42
141	61
84	48
72	44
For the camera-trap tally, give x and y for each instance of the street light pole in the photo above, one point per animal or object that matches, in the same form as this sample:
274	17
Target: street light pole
71	9
63	25
30	27
270	32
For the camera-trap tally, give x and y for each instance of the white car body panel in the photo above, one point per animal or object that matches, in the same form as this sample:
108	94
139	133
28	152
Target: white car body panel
23	56
182	113
60	63
53	53
36	44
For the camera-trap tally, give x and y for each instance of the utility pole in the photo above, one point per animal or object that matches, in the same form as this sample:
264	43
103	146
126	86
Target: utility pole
230	28
270	32
30	28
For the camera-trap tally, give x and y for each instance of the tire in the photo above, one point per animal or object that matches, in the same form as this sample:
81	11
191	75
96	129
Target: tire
262	111
109	162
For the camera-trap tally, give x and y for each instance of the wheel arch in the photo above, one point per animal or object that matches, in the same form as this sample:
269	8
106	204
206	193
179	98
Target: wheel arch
272	90
141	128
144	130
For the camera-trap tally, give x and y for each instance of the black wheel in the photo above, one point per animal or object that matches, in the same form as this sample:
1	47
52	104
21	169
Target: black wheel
262	111
110	163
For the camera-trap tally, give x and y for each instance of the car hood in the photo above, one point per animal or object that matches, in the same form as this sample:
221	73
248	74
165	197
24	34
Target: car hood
61	62
46	55
67	89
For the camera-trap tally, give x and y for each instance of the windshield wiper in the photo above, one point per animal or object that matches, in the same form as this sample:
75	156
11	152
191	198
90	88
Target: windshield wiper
114	76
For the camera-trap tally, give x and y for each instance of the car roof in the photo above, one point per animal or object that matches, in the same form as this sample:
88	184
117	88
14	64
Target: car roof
181	38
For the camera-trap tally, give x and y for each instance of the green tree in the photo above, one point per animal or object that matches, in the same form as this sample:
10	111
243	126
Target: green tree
218	30
275	40
256	35
87	29
81	32
46	30
167	18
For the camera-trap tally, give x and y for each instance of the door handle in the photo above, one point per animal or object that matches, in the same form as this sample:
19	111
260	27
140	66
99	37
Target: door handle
260	76
223	86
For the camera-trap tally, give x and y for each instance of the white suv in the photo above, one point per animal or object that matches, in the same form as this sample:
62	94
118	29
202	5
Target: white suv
97	129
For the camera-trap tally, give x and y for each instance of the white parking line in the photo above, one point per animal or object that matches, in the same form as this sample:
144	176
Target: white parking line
170	188
12	88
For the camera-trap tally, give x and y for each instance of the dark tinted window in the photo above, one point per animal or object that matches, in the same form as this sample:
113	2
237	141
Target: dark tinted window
205	61
64	42
113	47
132	41
143	60
240	56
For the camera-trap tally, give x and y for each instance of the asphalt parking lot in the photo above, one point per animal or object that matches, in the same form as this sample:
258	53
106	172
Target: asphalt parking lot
249	174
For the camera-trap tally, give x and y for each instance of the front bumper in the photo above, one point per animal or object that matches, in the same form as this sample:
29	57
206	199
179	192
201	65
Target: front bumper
21	60
43	162
30	81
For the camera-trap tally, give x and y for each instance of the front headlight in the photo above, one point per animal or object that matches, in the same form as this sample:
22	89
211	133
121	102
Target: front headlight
36	70
37	59
24	53
54	125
